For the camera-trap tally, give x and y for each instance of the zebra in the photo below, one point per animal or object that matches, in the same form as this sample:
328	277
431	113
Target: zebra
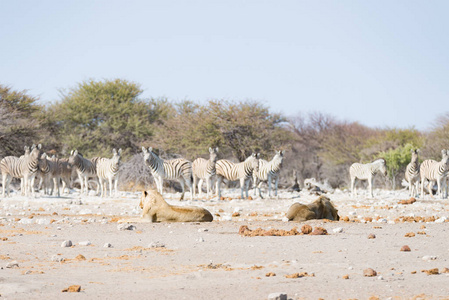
24	167
85	168
50	172
434	171
107	169
241	171
412	173
204	170
268	170
173	169
366	172
65	172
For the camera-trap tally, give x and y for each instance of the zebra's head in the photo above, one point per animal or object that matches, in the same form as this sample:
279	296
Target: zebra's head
279	156
382	166
43	164
415	156
36	152
253	162
147	153
213	154
445	156
27	150
117	155
73	158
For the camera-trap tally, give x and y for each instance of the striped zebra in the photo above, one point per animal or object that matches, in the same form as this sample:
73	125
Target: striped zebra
366	172
241	171
107	169
173	169
24	167
432	171
66	170
203	169
50	173
85	168
412	174
268	170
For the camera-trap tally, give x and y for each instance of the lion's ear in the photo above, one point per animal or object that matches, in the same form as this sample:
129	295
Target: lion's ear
145	193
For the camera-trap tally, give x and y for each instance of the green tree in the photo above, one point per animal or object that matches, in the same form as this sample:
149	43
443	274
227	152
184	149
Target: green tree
19	125
397	160
96	116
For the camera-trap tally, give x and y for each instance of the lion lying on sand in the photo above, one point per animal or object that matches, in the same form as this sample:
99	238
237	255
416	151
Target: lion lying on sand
156	209
321	208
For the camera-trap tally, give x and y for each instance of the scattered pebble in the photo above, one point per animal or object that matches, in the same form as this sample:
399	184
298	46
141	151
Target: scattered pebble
67	243
84	243
126	227
156	245
270	274
12	264
200	239
431	271
107	245
369	272
410	234
429	257
405	248
277	296
371	236
306	229
337	230
345	276
57	258
72	289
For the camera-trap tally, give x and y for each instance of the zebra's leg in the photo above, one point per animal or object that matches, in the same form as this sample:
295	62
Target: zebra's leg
276	181
422	187
200	187
259	188
208	180
56	184
218	187
110	186
269	185
255	185
188	181
353	186
4	176
242	187
370	184
181	181
115	186
439	192
195	185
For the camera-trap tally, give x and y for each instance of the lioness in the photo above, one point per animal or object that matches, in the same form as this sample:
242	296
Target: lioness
321	208
156	209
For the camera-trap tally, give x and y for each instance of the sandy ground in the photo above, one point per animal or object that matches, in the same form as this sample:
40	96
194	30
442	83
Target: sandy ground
211	260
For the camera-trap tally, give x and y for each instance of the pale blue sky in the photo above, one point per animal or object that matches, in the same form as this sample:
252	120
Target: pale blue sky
382	63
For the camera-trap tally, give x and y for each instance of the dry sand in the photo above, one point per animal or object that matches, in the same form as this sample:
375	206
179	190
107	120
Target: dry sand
211	260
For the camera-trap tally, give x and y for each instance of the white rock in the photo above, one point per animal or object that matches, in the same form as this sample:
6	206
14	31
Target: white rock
67	243
382	221
200	239
84	243
26	221
429	257
42	221
57	258
284	219
126	227
337	230
441	220
277	296
352	213
237	209
226	218
12	264
107	245
203	229
156	245
380	277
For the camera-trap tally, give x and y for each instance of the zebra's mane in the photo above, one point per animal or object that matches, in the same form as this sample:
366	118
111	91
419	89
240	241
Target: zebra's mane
379	159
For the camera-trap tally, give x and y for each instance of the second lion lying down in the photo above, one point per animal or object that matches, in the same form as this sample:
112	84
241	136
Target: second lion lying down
156	209
321	208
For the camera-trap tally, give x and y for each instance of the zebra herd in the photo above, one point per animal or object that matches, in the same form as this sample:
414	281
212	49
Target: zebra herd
194	174
52	171
430	172
104	171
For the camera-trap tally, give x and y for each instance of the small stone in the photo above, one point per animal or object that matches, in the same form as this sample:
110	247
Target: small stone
270	274
429	257
12	264
410	234
72	289
431	271
277	296
337	230
306	229
57	258
156	245
369	272
445	270
405	248
126	227
80	257
371	236
67	243
345	276
236	214
107	245
319	231
84	243
380	277
200	239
